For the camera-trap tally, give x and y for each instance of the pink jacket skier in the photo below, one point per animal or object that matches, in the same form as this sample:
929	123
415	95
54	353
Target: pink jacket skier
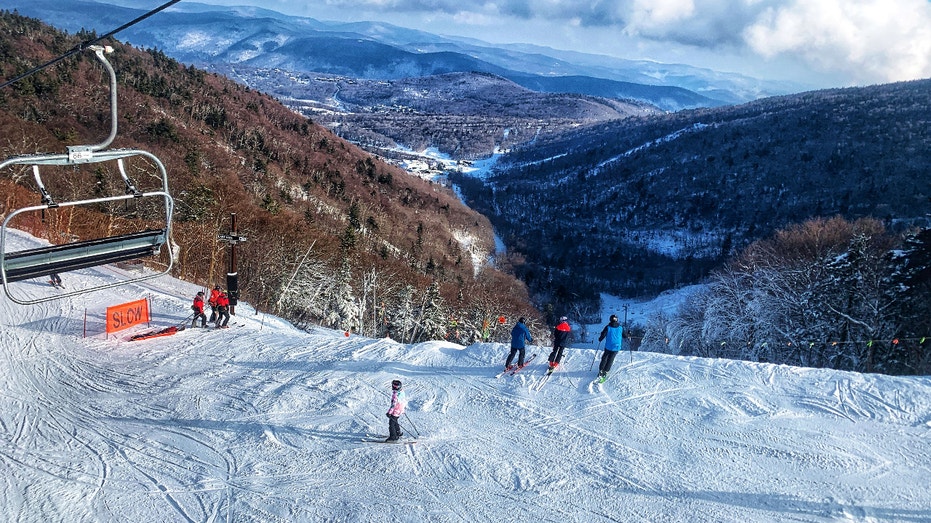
398	404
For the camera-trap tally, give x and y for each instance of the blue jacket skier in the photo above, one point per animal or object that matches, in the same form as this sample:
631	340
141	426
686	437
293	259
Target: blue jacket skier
613	336
520	334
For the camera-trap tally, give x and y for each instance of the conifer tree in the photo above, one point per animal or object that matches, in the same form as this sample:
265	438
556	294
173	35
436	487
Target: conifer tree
342	310
402	318
433	314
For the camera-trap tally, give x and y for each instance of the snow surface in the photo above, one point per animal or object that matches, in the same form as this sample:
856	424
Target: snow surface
263	423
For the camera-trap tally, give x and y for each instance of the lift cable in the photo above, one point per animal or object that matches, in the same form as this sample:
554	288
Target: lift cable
84	45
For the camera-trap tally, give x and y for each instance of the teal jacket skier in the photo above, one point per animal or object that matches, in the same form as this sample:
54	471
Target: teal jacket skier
613	336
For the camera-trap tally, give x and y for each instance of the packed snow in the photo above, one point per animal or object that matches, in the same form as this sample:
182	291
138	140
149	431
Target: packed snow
264	422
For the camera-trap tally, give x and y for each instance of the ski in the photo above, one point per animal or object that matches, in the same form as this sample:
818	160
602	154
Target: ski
513	370
398	442
546	377
519	367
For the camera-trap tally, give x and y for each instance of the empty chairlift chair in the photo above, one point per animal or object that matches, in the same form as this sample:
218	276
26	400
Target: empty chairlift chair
26	264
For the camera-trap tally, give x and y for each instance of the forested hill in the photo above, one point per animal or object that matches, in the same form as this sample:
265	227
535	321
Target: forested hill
639	205
311	205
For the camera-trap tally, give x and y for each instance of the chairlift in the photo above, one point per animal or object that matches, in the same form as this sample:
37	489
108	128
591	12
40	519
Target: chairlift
31	263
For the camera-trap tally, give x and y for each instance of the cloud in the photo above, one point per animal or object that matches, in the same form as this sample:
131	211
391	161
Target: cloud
867	41
870	40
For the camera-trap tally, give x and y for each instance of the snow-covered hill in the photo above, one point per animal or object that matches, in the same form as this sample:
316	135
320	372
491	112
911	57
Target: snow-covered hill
262	422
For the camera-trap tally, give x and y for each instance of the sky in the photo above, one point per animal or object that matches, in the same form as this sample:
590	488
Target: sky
827	43
265	422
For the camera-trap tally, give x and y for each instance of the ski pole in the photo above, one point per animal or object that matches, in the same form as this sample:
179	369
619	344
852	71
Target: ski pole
412	424
592	366
185	320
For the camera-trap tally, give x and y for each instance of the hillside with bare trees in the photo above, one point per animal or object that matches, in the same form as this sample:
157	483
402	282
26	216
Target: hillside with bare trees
311	205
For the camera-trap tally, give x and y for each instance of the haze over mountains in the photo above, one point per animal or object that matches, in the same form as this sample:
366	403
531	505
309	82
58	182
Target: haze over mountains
251	37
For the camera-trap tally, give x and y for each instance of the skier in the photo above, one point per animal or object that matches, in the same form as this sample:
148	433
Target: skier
613	335
519	336
560	339
55	280
214	294
398	404
198	308
223	311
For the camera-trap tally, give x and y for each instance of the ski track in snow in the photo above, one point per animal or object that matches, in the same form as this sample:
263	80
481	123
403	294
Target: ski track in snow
263	423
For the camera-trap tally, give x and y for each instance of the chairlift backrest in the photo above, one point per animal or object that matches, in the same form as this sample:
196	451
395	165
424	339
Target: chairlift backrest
31	263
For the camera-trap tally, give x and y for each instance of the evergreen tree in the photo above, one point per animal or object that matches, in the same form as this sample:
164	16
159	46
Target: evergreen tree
911	286
342	311
854	290
401	318
433	315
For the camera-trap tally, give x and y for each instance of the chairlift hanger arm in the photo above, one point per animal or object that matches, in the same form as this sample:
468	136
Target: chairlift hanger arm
31	263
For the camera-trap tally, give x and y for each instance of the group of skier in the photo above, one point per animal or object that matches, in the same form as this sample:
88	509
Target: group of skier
219	309
612	335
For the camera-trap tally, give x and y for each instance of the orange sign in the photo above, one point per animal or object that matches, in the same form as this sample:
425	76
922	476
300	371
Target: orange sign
123	316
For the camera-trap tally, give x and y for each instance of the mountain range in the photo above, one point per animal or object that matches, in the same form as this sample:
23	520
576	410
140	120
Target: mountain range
637	205
206	35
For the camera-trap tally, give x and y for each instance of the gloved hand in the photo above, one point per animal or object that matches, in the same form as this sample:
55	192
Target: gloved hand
388	414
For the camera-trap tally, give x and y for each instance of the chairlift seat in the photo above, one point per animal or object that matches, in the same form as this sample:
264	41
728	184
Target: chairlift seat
42	261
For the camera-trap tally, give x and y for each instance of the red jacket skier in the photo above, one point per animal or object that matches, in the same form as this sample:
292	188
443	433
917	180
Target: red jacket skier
223	311
198	307
560	340
214	295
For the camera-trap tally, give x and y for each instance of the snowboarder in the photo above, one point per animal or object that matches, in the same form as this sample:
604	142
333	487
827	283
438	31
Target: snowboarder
519	336
613	335
214	294
223	311
198	308
398	404
560	340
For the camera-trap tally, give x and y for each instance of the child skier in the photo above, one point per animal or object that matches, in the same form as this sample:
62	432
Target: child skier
398	404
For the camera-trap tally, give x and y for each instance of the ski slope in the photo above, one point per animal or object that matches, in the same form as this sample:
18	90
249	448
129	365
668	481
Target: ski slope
263	423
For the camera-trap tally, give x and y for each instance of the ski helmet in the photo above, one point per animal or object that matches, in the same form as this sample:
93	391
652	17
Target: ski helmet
396	385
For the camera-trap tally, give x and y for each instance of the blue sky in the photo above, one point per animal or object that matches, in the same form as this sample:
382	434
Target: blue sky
823	43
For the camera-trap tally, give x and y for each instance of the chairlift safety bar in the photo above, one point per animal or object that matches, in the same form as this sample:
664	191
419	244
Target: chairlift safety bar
86	254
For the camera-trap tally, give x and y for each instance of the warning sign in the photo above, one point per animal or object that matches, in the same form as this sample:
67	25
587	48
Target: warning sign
123	316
